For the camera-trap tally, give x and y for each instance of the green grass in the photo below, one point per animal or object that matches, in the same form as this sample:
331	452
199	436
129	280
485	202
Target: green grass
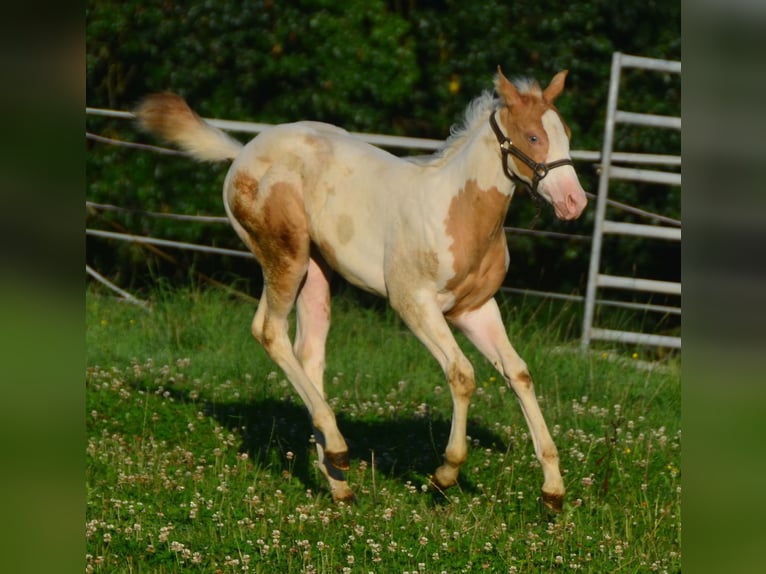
199	456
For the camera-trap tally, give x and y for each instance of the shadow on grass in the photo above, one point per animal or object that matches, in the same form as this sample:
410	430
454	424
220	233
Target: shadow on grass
404	447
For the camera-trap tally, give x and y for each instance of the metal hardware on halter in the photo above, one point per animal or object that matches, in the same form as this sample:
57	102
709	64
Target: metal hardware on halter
540	170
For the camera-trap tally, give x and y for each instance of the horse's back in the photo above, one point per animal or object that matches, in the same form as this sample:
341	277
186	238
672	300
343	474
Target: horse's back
349	191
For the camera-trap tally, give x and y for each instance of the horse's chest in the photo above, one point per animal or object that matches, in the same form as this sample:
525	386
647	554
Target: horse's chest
477	281
474	226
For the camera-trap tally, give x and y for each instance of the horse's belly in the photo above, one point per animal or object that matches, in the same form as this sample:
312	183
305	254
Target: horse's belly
357	267
352	249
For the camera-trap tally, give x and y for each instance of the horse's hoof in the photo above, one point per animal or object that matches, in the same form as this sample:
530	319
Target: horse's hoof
346	498
444	477
553	502
434	484
338	459
439	485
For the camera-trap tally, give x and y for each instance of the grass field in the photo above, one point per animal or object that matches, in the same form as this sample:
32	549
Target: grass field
199	454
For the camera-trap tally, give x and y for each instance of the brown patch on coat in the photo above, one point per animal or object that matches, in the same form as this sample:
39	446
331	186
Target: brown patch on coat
278	235
475	223
522	113
462	381
429	262
245	184
522	121
345	229
524	380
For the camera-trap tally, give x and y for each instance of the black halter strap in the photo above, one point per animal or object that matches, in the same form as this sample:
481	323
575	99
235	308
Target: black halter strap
539	170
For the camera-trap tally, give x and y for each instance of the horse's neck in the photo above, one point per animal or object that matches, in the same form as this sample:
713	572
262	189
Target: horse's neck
479	165
475	195
479	159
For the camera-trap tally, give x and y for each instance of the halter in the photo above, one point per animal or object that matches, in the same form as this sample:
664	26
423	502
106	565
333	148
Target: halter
540	170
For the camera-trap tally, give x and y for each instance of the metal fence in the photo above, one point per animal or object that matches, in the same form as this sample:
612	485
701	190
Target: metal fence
671	230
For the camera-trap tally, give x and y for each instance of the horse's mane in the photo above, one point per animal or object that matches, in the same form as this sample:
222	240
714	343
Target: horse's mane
476	114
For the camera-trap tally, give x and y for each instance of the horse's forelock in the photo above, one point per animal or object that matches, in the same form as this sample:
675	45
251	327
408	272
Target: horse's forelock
528	86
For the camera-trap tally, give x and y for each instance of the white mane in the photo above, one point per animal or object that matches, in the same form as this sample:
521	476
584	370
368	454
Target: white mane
475	115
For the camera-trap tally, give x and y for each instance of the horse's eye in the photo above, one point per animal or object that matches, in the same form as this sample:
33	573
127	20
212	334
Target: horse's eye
532	139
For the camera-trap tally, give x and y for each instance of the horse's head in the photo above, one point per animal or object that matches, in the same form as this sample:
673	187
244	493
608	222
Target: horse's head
534	141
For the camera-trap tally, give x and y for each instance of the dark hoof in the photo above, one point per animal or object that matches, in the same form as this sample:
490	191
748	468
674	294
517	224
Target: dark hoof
349	499
553	502
338	459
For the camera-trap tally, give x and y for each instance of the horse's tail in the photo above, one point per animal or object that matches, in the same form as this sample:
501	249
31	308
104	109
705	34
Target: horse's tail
168	116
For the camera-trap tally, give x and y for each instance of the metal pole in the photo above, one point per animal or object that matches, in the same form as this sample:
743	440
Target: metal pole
603	190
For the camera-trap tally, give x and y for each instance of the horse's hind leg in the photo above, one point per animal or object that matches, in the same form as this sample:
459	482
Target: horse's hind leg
312	325
271	214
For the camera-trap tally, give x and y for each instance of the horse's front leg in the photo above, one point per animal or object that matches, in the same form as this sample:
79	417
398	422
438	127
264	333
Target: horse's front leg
422	315
484	328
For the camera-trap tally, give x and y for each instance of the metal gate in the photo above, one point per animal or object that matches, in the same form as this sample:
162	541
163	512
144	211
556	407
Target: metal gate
670	230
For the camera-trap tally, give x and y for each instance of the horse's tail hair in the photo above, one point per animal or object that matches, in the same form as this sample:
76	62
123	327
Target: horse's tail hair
169	117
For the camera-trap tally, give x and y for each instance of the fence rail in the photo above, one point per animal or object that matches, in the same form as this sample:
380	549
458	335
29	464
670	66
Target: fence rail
146	240
387	141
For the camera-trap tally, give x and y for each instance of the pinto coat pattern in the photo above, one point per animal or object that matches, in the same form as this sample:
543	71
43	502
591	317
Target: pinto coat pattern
309	199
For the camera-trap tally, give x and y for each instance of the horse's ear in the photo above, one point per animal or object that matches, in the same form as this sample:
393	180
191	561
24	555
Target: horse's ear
506	90
555	87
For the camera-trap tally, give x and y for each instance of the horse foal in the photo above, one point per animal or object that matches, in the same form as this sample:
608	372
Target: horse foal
309	200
